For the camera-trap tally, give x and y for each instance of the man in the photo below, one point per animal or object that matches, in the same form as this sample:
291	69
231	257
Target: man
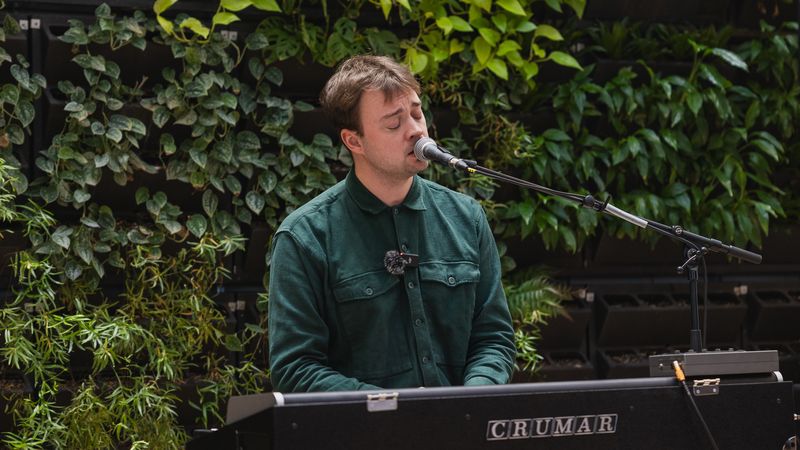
385	280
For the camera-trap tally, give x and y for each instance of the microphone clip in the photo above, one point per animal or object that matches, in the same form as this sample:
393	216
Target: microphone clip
396	262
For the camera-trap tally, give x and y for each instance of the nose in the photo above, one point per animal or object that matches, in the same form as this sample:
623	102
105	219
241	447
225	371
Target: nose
417	129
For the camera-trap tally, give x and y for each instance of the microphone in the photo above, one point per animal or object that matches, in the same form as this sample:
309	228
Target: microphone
426	149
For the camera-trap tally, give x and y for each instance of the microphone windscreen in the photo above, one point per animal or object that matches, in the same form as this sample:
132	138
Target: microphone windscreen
419	148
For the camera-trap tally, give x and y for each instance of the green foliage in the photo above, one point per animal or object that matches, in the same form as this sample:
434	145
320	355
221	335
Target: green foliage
532	300
692	148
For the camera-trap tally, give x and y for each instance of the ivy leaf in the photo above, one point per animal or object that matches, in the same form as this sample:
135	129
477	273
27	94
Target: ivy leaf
91	223
512	6
224	18
235	5
267	5
233	185
498	67
508	46
555	5
256	41
267	181
72	270
25	112
81	196
142	195
548	32
482	49
577	5
386	7
9	94
274	75
247	140
564	59
197	225
210	202
114	134
531	69
405	4
61	236
160	116
255	201
162	5
83	249
199	156
196	26
167	144
526	27
172	226
22	76
460	24
188	118
98	129
485	5
296	157
695	101
491	36
444	24
165	24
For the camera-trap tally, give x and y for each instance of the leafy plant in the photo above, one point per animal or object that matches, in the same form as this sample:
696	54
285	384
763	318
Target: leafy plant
532	300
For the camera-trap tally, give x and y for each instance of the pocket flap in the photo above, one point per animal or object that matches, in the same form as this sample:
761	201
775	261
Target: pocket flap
364	286
450	273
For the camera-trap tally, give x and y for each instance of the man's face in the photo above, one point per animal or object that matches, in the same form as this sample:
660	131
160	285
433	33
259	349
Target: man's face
384	150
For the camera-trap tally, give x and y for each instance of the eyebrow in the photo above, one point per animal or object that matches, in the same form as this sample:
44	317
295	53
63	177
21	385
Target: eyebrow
400	109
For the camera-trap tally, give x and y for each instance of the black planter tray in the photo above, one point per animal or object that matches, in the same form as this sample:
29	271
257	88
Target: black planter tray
568	331
774	316
560	366
644	320
726	317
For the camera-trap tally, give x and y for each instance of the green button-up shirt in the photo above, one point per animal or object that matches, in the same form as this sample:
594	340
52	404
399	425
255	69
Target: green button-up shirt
338	320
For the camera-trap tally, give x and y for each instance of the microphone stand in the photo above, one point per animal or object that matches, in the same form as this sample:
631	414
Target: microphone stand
696	246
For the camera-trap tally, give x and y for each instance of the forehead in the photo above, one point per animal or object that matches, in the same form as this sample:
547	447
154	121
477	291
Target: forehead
376	101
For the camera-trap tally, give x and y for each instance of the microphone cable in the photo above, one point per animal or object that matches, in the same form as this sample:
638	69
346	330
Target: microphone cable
682	378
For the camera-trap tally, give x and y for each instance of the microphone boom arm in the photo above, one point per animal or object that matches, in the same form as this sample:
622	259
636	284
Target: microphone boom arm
675	232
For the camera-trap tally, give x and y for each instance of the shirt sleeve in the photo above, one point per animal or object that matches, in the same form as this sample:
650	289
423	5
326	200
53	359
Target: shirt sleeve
298	335
491	354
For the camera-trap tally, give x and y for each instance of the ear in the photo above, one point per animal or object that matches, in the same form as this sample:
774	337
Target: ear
352	140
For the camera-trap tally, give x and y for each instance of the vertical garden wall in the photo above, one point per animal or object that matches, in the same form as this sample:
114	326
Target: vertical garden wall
149	149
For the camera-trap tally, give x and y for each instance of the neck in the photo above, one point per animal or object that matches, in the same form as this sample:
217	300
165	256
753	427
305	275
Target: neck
390	191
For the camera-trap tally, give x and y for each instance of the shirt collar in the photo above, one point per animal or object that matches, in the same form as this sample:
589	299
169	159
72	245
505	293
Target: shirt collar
368	202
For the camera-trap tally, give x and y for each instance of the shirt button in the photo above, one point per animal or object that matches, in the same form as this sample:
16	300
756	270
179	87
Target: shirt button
451	279
411	285
418	322
395	211
368	291
425	360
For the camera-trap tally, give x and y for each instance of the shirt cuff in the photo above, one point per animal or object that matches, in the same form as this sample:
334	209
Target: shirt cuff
479	381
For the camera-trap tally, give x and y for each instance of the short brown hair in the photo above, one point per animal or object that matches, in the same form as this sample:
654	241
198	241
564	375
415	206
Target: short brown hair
342	92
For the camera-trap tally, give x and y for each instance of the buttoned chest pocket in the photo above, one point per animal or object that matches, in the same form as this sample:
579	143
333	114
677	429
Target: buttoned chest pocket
449	290
371	315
